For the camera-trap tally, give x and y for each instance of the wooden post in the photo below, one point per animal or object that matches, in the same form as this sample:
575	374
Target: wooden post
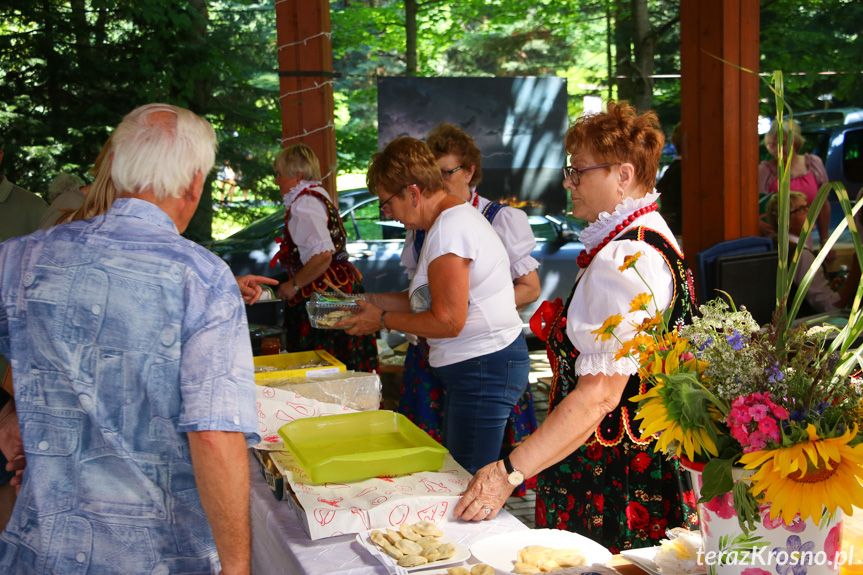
719	114
305	81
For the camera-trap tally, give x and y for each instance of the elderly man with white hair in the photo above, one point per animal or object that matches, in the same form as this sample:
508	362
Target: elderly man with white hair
134	382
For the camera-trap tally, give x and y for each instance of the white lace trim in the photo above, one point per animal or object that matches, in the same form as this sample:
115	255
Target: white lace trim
595	363
593	234
289	198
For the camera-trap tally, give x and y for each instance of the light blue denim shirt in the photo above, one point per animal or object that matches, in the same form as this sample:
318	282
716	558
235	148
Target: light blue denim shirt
123	336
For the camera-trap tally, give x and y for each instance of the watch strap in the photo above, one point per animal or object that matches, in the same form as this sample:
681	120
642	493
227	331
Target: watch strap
507	465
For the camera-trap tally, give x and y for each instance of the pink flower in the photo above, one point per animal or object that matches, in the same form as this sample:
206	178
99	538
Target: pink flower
722	505
754	571
833	544
758	412
797	525
780	412
768	427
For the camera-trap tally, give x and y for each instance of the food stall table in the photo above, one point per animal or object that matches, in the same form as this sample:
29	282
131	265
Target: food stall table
281	545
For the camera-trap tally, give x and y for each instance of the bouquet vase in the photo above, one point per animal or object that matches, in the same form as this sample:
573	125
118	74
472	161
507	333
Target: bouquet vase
801	548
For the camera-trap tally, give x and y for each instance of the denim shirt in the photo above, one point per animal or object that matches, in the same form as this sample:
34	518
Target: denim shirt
123	336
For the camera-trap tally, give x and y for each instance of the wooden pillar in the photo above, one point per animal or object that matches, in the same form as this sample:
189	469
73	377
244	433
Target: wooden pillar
306	81
719	114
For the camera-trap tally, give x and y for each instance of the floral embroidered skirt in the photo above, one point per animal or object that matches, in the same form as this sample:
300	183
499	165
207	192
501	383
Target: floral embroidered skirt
357	352
622	497
422	401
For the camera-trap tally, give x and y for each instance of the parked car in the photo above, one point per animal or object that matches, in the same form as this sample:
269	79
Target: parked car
375	246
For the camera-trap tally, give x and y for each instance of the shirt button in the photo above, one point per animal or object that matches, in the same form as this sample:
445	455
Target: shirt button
96	309
167	336
43	445
236	420
81	557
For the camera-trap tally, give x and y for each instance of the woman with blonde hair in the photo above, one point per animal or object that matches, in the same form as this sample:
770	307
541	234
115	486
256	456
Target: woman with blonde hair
597	477
807	172
313	253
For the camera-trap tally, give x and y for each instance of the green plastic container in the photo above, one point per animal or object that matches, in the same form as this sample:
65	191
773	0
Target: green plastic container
356	446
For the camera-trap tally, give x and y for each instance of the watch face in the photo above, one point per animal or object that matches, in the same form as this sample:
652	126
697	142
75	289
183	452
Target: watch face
515	478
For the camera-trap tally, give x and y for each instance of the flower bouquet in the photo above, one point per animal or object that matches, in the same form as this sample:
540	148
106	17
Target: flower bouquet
771	413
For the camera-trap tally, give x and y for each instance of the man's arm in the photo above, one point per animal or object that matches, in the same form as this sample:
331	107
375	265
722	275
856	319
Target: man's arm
222	475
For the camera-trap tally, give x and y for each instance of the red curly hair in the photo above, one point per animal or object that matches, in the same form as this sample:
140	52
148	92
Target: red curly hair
618	135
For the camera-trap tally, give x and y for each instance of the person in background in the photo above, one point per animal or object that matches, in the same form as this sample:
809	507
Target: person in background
62	183
597	477
807	175
461	299
136	457
313	253
670	186
460	162
820	296
20	210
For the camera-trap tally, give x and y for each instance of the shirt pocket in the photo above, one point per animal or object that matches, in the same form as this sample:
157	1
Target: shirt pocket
49	443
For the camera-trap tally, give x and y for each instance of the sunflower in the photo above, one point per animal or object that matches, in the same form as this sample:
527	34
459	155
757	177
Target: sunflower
607	329
808	475
629	261
655	412
639	302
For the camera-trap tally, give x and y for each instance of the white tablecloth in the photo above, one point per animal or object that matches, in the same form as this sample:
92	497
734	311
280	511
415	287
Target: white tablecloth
281	546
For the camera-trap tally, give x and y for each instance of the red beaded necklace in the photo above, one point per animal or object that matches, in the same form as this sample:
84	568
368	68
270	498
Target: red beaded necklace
583	260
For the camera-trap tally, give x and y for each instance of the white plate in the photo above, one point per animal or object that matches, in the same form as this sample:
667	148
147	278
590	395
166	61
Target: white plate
644	558
461	553
499	551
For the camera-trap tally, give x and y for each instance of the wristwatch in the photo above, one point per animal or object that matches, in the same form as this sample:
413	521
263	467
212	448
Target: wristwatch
384	328
513	476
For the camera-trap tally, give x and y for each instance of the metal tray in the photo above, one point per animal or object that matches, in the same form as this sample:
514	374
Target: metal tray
355	446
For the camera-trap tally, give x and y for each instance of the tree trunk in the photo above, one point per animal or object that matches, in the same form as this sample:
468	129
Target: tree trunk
644	42
623	51
411	37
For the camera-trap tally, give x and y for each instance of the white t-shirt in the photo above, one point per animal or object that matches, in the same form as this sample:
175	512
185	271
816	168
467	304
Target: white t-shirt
603	290
492	320
513	227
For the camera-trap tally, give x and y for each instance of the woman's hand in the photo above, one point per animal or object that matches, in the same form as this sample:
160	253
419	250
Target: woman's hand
488	490
286	290
366	322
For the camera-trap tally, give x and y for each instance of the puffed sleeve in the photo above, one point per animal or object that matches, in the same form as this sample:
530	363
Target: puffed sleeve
605	291
512	226
816	166
308	227
409	255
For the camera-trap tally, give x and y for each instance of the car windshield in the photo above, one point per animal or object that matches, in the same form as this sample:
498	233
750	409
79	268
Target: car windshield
262	228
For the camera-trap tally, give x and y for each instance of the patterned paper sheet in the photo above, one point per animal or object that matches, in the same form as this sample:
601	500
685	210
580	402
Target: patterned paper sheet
276	407
377	503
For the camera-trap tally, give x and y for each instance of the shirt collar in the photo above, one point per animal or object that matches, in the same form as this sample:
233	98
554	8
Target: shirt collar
593	234
144	210
289	198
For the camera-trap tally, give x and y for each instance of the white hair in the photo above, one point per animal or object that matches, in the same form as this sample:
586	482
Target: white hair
62	183
160	148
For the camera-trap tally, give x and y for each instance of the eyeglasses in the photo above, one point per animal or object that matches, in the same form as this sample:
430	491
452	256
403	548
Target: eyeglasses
574	174
795	210
389	199
448	173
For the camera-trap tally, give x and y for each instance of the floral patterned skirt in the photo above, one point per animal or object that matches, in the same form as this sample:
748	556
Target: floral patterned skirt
622	497
357	352
422	400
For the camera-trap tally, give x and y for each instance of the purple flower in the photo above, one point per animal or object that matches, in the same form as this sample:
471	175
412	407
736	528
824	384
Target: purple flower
789	559
706	344
735	340
776	374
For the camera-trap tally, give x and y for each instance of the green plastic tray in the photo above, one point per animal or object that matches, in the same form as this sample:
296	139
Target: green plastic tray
356	446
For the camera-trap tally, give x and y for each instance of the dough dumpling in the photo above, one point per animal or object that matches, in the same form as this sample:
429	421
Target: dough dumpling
429	542
522	568
393	536
392	551
377	538
446	550
431	554
428	528
413	561
482	569
549	565
408	532
569	557
408	547
457	571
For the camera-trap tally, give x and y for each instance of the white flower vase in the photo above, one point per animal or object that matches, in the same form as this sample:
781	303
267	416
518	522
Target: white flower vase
802	548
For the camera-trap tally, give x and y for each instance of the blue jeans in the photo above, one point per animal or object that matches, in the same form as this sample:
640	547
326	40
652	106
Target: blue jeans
480	394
